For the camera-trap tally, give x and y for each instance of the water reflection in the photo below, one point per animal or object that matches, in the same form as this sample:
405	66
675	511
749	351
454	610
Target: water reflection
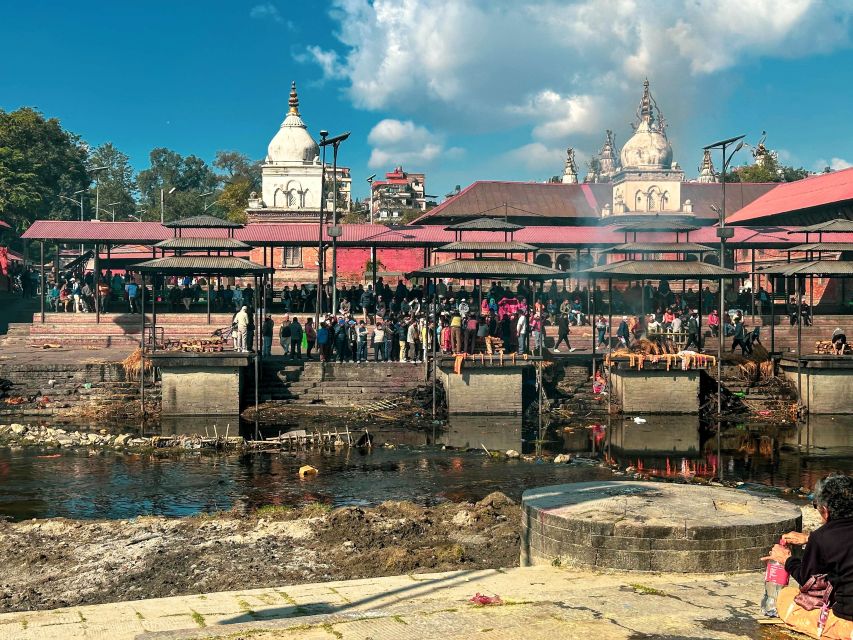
40	483
475	431
122	486
823	434
659	434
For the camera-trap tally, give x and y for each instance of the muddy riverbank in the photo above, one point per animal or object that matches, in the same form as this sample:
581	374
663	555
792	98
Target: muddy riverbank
60	562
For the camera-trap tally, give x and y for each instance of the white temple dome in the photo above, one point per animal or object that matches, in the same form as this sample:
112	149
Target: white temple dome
293	143
648	147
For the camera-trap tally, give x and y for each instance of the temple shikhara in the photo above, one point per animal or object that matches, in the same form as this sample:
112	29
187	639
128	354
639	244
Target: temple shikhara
292	174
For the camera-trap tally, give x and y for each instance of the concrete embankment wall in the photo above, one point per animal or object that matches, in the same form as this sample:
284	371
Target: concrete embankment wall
827	383
477	390
656	390
69	389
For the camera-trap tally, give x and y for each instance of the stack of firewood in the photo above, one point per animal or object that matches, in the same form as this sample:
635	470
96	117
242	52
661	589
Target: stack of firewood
824	347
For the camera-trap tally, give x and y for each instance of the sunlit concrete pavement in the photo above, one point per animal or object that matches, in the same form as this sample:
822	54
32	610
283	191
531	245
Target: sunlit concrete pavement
538	602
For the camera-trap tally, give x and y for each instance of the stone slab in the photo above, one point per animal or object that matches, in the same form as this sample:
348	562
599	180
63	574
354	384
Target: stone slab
538	603
651	526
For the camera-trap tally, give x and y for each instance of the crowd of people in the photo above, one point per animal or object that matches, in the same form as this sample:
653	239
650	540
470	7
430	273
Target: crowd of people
463	320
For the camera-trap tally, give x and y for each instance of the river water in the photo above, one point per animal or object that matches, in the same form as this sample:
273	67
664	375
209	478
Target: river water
38	483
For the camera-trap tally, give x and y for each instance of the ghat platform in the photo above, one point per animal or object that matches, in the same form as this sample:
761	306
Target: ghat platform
201	383
826	382
651	526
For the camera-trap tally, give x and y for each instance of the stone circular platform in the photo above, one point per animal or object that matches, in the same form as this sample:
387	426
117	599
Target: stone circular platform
651	526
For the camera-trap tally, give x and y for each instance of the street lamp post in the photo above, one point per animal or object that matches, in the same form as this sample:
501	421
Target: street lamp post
80	204
112	212
723	233
320	258
203	197
370	201
334	232
163	202
96	171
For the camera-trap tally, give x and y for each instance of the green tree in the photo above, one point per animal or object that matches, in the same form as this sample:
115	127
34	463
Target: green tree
39	161
117	183
190	177
239	178
770	170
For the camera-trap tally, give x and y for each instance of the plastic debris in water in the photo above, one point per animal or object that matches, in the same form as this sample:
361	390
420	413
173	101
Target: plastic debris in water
639	420
482	600
307	470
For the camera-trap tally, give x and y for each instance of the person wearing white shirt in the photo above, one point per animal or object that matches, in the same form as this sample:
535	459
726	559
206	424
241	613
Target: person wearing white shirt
521	330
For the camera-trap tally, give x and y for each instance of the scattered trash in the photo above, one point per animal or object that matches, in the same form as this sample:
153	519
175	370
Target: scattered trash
484	601
307	470
87	385
639	420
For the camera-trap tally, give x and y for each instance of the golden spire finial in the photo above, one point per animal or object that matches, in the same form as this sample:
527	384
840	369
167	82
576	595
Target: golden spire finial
294	99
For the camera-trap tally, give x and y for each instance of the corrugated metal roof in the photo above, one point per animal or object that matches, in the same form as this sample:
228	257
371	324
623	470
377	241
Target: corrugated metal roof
484	224
814	191
487	247
219	265
5	224
203	222
839	225
689	270
658	247
92	230
474	269
811	268
657	223
202	243
366	235
823	246
573	201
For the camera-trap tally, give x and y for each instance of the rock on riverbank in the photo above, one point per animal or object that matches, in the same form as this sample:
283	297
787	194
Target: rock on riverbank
50	437
58	562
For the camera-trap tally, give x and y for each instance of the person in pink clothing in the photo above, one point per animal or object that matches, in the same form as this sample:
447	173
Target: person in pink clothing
714	322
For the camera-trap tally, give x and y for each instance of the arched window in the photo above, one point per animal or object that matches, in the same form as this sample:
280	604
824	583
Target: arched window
543	259
291	198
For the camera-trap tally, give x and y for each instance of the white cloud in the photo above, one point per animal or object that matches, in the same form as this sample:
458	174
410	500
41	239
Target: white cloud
561	70
560	116
328	60
836	164
537	157
398	142
266	11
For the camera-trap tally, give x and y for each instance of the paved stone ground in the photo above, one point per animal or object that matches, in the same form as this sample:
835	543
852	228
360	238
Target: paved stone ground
538	602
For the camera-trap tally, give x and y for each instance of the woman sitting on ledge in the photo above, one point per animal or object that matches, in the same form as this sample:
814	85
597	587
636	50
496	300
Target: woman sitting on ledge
829	550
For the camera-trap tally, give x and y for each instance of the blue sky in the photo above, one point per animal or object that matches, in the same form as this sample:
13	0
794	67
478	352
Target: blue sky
461	89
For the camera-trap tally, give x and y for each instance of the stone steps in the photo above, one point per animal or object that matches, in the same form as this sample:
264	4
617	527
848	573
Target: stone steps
336	384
